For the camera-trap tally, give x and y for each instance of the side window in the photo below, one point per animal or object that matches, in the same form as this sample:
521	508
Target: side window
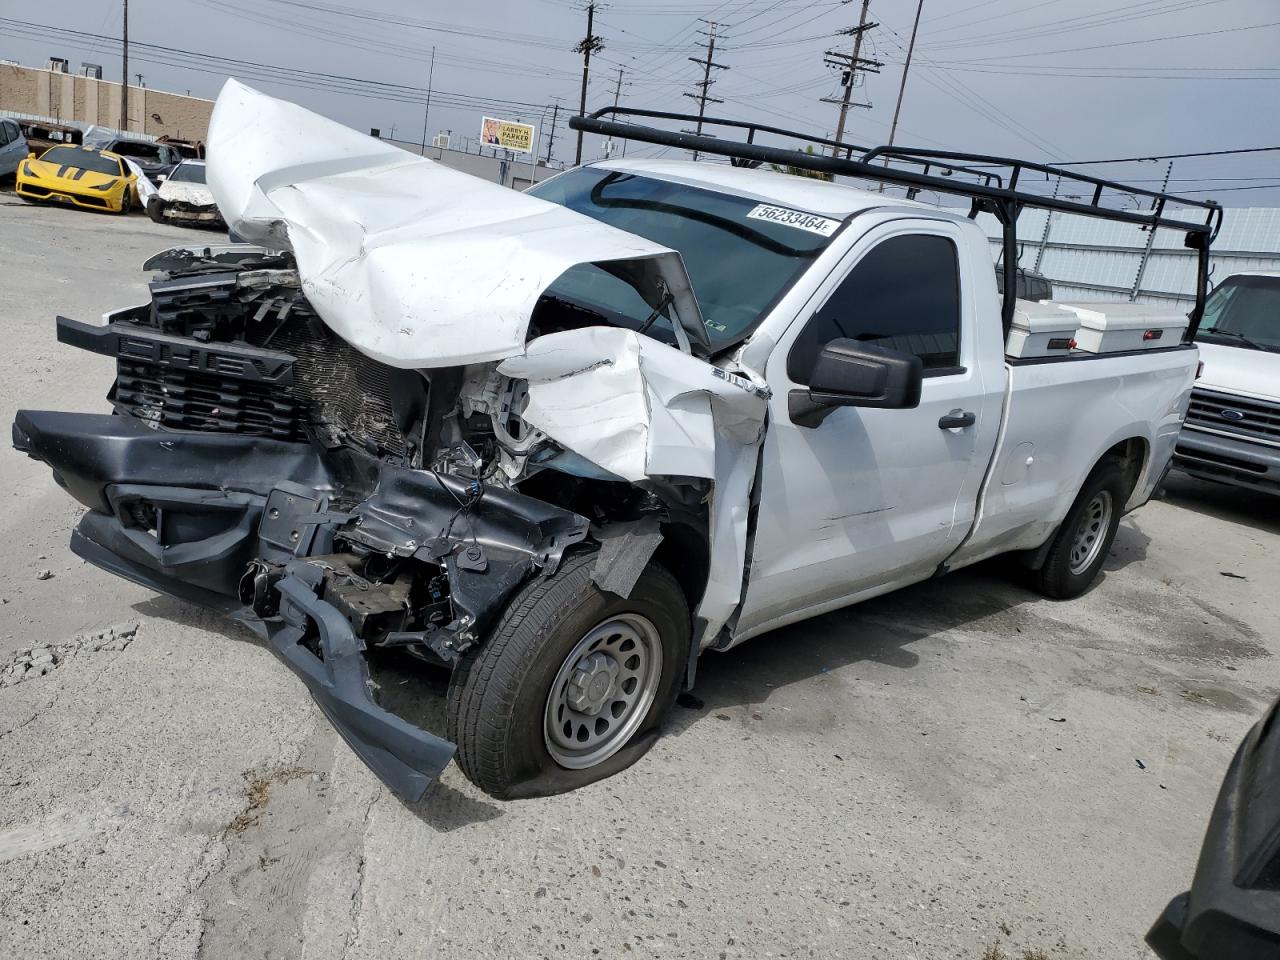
6	134
904	294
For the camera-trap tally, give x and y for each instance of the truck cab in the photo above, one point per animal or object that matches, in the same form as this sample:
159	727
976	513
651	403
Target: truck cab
1232	433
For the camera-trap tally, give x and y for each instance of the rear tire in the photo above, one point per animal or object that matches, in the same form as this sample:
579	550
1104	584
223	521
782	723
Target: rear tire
572	684
1082	543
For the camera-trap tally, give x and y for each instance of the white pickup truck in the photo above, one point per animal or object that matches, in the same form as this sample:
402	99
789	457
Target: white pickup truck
562	443
1232	433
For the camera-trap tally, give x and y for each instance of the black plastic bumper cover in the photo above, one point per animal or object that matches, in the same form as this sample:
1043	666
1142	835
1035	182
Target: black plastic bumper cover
216	486
1232	911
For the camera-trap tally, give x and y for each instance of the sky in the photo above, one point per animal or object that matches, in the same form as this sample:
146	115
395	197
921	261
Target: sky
1042	80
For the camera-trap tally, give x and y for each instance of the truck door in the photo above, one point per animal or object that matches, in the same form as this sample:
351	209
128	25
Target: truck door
870	499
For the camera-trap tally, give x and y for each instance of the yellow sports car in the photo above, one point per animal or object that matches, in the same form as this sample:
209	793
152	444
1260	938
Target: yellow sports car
93	179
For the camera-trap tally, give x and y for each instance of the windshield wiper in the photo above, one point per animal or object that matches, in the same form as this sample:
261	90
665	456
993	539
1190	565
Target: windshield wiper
1218	332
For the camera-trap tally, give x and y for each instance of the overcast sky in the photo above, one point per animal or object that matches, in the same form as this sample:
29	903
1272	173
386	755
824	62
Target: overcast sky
1057	80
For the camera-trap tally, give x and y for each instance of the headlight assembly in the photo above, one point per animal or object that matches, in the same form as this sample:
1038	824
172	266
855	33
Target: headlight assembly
109	185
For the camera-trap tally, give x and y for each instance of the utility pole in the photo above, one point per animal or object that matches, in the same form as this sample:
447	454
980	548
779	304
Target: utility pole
551	139
911	46
708	64
852	66
1151	240
124	86
431	71
589	43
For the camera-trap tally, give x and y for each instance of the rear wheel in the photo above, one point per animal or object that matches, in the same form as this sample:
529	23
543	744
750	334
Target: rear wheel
573	683
1082	543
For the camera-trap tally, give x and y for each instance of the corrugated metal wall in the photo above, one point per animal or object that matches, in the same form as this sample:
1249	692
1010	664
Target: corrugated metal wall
1090	259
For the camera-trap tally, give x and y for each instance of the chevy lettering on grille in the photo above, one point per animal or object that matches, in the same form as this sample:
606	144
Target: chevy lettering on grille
128	342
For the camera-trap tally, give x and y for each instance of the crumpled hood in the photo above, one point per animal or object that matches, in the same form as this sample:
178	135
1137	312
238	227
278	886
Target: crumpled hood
1250	373
196	194
412	263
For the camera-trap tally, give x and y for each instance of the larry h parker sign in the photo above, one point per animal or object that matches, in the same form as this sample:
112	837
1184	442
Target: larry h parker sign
506	134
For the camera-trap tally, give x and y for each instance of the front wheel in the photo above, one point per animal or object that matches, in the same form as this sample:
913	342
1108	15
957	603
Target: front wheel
1082	543
572	685
155	210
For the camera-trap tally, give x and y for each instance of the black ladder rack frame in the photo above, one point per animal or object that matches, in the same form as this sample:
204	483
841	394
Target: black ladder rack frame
996	193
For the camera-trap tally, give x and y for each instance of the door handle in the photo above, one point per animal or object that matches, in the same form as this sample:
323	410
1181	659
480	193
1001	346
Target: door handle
957	419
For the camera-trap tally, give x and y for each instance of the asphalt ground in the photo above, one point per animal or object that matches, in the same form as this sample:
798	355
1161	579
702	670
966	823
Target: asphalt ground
956	769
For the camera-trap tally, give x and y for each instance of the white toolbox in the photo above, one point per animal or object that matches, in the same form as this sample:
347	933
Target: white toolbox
1040	330
1111	327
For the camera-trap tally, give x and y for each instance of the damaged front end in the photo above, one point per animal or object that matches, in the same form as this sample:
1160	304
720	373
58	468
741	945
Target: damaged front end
376	427
259	466
276	478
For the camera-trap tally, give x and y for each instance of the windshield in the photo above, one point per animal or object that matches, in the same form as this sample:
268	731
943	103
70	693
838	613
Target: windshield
188	173
741	255
82	159
1243	311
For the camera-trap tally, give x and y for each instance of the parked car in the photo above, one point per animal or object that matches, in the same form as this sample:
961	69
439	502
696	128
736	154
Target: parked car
84	177
1232	911
1232	433
43	134
13	147
154	158
500	432
185	197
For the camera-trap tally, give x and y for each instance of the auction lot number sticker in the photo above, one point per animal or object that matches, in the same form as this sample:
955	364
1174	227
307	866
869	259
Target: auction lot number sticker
795	218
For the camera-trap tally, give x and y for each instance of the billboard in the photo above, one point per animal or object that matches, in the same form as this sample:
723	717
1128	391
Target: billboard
507	134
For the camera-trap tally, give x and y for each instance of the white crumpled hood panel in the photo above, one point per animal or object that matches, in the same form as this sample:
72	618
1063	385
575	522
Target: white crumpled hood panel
412	263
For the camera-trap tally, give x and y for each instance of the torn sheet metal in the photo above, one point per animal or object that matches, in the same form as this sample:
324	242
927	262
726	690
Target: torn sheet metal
412	263
639	408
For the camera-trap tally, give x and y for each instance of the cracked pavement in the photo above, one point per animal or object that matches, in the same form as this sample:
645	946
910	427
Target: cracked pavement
913	777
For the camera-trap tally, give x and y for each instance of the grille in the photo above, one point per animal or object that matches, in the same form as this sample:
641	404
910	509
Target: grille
1258	420
338	394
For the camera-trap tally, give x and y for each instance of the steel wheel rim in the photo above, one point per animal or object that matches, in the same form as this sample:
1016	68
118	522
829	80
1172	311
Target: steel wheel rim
603	691
1091	531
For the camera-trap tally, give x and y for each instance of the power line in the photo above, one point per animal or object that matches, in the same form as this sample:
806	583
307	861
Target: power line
1170	156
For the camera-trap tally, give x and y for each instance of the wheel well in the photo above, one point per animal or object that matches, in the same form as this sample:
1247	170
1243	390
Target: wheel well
687	556
1132	455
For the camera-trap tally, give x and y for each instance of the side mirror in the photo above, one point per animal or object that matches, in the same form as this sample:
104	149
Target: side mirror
31	154
851	373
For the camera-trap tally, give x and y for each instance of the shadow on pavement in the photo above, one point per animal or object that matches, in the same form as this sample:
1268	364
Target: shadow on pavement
1233	504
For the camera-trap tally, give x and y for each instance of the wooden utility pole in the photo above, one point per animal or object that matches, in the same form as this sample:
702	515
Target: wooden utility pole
589	43
708	64
911	46
555	115
852	66
124	85
426	111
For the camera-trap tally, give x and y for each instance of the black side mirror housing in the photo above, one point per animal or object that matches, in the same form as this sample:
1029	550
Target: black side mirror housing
851	373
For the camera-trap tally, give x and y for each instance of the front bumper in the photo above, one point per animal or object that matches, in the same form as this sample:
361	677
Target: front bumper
194	514
1210	456
181	212
110	201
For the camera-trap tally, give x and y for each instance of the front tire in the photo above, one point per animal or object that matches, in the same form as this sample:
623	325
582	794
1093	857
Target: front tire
155	210
126	203
573	683
1082	543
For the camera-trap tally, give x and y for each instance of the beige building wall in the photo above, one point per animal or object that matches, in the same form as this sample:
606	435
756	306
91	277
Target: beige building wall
66	96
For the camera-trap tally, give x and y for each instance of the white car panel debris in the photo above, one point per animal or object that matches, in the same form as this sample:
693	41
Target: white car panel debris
412	263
